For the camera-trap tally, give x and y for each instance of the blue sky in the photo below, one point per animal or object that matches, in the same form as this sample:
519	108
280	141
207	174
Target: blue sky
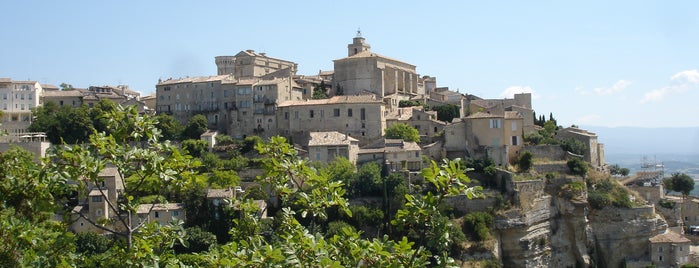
596	63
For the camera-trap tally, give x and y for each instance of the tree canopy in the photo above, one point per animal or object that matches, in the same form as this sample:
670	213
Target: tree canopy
679	182
403	131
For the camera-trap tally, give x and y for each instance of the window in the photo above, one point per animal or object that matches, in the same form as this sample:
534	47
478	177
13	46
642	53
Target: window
311	114
29	96
296	114
514	140
60	103
417	154
349	112
4	96
97	198
514	126
98	212
286	115
317	156
660	249
495	123
175	213
225	93
157	214
336	112
362	114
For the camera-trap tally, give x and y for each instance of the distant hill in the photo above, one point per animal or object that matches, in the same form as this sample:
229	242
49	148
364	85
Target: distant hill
647	141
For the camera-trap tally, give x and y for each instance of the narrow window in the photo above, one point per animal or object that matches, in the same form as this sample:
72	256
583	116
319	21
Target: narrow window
349	112
362	114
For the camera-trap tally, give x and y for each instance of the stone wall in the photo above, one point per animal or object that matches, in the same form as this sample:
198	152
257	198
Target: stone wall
464	205
552	152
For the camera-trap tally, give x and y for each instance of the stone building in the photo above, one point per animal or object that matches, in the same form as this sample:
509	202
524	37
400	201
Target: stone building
425	122
72	98
521	103
364	71
498	136
361	117
594	153
248	64
328	145
240	103
95	207
163	214
669	249
396	154
17	98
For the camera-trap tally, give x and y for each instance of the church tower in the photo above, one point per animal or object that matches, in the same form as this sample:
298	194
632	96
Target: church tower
358	45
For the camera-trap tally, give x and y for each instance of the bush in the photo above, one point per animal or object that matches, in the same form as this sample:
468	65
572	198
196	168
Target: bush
197	240
572	189
90	243
335	228
598	200
577	166
477	225
574	146
525	161
666	204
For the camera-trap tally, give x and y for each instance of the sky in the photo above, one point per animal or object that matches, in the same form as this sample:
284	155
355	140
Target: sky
595	63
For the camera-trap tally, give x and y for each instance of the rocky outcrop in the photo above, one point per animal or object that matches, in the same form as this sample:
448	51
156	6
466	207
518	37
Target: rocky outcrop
621	234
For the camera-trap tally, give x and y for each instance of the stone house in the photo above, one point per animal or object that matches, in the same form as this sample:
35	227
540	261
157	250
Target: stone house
669	249
498	136
95	206
249	64
521	103
326	146
72	98
163	214
360	116
425	122
398	155
594	153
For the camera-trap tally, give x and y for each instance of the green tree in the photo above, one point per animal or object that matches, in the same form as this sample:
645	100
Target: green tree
223	179
447	112
403	131
616	170
196	126
574	146
577	166
132	147
169	127
66	86
320	91
682	183
195	147
525	160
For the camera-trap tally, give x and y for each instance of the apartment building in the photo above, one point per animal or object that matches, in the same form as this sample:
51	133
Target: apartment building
17	98
360	116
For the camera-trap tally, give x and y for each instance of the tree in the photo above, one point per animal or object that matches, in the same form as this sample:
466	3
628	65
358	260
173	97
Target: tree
525	160
320	91
681	182
616	170
447	112
66	86
403	131
170	128
133	149
196	126
574	146
195	147
577	166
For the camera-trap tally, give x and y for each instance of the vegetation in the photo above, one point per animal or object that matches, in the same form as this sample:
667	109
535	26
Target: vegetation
525	161
616	170
403	131
478	225
447	112
679	182
196	126
577	166
409	103
603	192
320	91
574	146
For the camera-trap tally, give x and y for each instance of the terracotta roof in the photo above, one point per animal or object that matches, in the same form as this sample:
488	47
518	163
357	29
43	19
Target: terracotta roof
364	98
329	138
220	193
484	115
669	237
63	93
144	208
196	79
369	54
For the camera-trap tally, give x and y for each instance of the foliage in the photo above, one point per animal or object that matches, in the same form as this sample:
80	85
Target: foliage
574	146
62	124
409	103
606	192
525	160
249	144
132	147
403	131
478	225
679	182
89	243
320	91
533	138
223	178
446	113
196	126
335	228
572	189
169	127
667	204
34	243
195	147
256	193
368	181
196	240
616	170
577	166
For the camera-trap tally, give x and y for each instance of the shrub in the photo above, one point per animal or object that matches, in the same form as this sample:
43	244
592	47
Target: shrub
574	146
524	161
598	200
577	166
477	225
335	228
666	204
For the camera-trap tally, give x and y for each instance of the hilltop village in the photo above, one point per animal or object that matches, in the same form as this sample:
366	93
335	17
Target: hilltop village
551	197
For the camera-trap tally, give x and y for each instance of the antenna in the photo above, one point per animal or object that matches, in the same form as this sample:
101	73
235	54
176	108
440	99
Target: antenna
359	32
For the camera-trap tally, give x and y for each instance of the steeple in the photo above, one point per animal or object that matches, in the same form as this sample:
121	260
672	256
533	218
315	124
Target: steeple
358	45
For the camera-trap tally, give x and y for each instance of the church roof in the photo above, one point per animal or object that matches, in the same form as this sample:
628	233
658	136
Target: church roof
369	54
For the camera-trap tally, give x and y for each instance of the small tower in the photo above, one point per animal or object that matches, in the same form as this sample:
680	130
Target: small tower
358	45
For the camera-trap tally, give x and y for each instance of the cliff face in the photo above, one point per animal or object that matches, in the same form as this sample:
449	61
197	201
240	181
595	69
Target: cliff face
547	230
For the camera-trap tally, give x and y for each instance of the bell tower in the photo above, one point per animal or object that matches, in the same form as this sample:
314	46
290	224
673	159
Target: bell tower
358	45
